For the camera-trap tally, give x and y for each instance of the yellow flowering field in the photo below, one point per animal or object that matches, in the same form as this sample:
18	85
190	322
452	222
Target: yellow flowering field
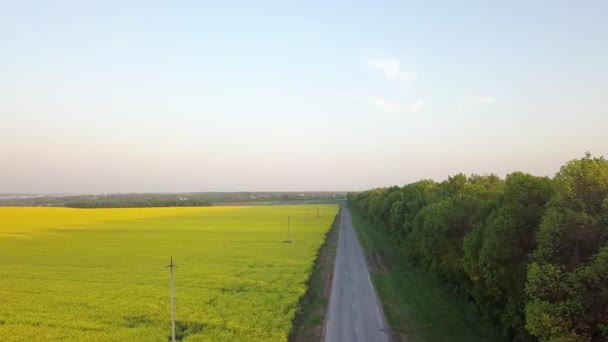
100	275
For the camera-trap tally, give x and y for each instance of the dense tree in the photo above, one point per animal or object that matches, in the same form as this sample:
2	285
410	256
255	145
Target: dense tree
439	231
530	252
392	195
567	297
417	196
497	251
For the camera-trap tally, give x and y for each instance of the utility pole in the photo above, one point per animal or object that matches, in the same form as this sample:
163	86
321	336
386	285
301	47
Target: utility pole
171	267
288	221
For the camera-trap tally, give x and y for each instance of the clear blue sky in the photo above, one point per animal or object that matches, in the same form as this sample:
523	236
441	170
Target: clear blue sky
101	96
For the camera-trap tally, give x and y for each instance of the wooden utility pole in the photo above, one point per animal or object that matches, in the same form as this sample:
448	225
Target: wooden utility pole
171	267
288	219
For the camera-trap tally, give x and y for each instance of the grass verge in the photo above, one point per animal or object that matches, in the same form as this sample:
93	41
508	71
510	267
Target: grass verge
417	305
309	322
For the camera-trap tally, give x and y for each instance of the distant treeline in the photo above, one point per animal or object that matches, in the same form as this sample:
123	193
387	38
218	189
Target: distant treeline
138	204
530	252
161	199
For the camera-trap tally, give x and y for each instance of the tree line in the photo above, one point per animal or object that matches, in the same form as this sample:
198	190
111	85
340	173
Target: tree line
138	203
530	252
171	199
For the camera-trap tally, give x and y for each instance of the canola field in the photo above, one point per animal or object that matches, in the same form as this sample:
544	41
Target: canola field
100	274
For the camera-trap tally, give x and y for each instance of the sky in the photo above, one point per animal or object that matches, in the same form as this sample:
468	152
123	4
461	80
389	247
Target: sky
161	96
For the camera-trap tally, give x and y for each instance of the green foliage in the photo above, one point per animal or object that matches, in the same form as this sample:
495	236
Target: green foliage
531	252
415	197
569	276
438	230
575	226
497	250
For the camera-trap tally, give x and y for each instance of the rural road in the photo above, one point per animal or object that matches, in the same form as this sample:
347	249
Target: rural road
354	311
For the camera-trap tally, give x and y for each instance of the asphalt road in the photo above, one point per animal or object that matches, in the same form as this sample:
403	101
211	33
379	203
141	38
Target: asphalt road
354	311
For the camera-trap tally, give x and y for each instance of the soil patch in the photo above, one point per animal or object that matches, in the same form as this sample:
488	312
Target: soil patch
394	336
378	261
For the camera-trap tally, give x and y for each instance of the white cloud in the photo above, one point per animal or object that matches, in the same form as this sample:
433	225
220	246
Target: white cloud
394	107
476	100
468	102
384	105
348	96
416	106
391	69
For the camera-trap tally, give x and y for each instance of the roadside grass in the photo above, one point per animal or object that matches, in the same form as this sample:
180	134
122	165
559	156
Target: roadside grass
309	322
417	305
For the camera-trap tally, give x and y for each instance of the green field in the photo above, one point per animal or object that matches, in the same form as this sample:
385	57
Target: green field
100	275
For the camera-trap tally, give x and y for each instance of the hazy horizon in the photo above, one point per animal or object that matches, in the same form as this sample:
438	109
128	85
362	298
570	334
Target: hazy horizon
100	97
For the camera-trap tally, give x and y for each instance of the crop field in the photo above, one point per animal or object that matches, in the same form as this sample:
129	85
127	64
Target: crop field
101	275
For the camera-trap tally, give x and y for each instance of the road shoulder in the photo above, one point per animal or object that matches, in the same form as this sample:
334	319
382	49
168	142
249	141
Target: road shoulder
309	322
